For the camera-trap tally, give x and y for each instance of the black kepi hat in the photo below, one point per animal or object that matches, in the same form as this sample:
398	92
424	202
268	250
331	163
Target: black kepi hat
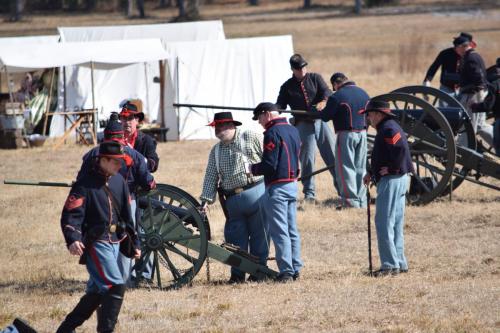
297	61
130	109
113	130
223	117
263	107
375	105
111	149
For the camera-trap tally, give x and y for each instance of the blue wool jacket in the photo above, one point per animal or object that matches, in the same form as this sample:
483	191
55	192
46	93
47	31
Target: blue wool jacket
146	145
343	108
88	208
391	150
280	160
136	175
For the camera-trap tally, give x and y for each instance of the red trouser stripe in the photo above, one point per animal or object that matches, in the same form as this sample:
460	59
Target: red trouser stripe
98	265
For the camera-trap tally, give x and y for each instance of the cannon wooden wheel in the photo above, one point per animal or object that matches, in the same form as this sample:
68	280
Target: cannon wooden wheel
174	237
431	142
464	133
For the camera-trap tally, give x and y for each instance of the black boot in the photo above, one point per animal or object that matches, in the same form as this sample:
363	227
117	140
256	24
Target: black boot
110	308
82	311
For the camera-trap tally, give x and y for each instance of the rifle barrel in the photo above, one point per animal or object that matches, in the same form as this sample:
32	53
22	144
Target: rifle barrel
221	107
31	183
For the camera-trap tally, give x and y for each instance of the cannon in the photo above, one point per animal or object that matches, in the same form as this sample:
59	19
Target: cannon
442	143
175	236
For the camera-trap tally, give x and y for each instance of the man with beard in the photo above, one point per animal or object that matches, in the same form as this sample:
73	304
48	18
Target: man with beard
227	169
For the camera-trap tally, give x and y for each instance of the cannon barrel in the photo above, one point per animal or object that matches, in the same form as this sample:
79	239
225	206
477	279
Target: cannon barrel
35	183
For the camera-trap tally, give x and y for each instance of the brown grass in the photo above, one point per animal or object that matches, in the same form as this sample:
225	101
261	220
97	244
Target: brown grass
452	248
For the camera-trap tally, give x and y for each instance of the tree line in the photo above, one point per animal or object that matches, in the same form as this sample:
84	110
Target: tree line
189	10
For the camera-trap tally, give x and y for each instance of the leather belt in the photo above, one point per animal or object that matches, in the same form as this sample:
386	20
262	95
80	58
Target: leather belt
238	190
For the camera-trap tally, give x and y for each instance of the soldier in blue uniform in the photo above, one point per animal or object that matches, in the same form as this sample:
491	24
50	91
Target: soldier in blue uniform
390	164
130	116
280	168
95	219
134	170
343	109
308	91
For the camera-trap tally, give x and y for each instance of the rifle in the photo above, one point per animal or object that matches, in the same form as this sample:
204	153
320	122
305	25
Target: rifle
30	183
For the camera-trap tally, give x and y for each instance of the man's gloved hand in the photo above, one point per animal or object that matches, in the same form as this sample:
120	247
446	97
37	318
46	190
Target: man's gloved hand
426	83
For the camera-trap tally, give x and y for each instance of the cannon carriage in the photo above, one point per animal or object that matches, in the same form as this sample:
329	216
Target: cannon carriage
442	143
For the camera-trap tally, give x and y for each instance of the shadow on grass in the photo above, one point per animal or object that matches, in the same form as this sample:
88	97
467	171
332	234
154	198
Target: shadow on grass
50	286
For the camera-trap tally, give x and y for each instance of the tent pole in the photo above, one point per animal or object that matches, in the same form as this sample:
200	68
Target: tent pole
162	93
177	96
64	96
47	109
11	94
94	116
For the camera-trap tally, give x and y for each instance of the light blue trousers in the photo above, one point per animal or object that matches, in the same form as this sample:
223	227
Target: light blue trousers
313	134
350	167
281	210
102	265
389	221
246	226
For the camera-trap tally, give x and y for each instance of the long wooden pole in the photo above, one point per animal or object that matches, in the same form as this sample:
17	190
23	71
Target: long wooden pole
94	116
162	93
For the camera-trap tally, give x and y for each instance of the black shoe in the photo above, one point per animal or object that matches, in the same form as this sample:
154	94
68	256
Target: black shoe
340	207
82	311
310	200
296	276
284	278
403	270
386	272
22	326
236	279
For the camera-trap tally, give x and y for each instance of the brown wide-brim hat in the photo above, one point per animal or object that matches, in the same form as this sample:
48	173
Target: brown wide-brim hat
378	106
223	117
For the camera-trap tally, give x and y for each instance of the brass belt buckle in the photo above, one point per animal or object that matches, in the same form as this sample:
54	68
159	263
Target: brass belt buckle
112	228
238	190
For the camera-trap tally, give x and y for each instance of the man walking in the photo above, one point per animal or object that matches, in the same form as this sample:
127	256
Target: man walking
241	193
280	167
390	164
344	108
309	92
94	220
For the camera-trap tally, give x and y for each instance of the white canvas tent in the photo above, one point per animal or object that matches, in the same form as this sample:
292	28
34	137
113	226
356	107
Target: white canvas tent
232	72
108	56
135	81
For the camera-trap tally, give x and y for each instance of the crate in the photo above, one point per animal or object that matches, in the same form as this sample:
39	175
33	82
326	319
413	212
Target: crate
10	108
11	139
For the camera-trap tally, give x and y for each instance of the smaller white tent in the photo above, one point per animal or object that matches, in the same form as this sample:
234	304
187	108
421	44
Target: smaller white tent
168	32
135	81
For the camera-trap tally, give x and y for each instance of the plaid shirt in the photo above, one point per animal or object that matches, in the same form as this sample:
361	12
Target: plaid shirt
231	164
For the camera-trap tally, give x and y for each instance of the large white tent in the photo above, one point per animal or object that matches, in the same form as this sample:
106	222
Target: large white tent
135	81
232	72
7	42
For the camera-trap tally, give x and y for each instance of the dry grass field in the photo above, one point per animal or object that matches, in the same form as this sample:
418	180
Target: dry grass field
453	248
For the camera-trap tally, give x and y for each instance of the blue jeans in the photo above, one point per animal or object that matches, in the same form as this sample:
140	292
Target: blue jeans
102	265
449	91
496	136
312	134
350	167
246	226
389	221
281	210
